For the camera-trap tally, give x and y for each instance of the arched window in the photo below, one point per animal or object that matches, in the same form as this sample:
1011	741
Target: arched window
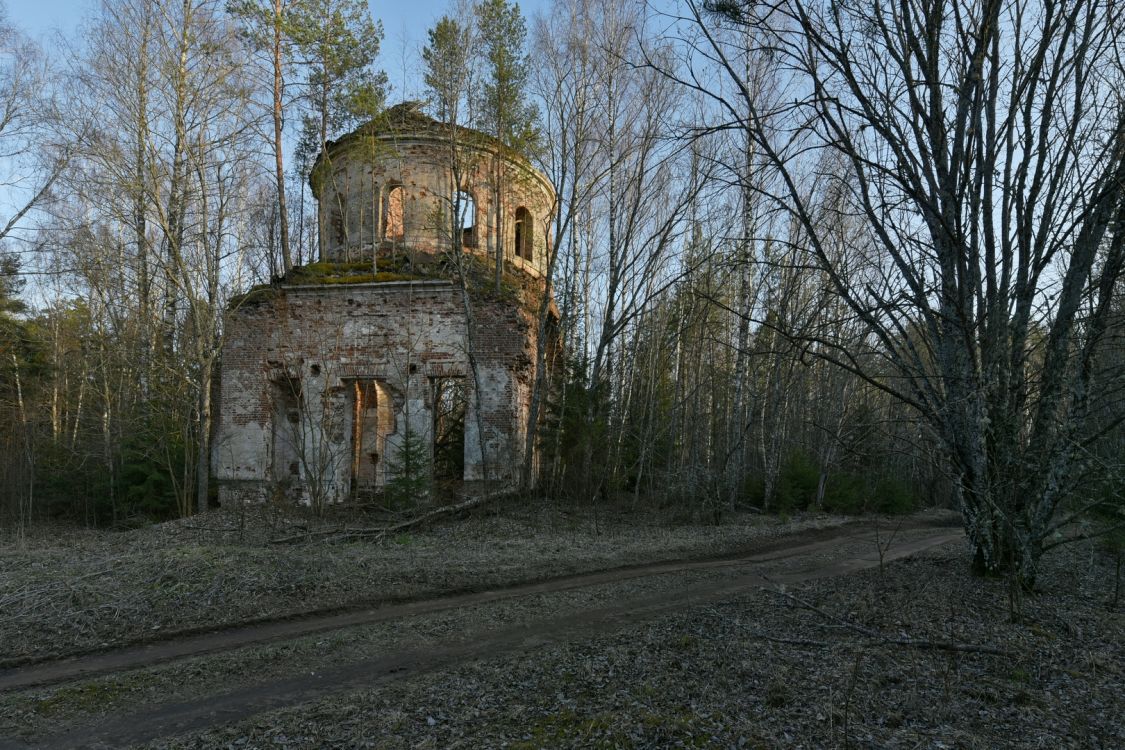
394	214
466	207
524	230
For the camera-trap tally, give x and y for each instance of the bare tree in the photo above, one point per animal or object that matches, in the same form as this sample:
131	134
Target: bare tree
150	231
29	161
984	150
266	29
565	76
311	425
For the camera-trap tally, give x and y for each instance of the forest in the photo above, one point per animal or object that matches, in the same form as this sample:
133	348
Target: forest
819	374
837	256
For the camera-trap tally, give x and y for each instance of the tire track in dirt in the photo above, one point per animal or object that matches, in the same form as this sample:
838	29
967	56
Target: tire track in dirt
200	714
172	646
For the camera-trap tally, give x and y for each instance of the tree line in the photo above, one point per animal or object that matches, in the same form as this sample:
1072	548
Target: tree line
807	255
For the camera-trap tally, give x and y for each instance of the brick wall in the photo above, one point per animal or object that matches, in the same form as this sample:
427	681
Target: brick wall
401	334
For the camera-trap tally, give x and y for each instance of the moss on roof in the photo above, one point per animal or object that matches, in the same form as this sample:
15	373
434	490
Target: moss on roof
314	274
409	119
516	289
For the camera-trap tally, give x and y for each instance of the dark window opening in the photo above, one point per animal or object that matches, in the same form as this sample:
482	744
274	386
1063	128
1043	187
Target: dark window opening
337	229
524	231
450	405
285	427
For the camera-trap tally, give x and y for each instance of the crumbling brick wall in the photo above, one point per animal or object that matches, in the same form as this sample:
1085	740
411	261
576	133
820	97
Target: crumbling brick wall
303	360
353	180
401	334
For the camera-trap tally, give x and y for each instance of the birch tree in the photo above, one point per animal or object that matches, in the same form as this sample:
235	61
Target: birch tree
565	73
30	160
147	235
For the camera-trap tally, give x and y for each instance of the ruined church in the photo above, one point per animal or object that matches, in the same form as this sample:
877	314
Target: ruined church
402	351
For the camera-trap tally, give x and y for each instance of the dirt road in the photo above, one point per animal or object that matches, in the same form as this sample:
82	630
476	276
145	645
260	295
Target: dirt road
801	557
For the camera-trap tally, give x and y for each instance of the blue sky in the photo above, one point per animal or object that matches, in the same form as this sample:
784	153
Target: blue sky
404	24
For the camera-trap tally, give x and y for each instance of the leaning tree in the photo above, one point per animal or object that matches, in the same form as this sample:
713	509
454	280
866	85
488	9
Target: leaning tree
982	147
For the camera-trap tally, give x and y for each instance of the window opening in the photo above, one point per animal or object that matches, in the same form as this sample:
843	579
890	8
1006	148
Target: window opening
394	213
337	229
466	206
285	423
450	405
523	233
373	419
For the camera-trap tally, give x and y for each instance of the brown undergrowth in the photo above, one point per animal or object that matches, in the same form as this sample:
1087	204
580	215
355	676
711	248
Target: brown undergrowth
68	591
763	671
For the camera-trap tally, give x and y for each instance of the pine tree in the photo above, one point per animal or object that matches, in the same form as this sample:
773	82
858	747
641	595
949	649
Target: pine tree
447	67
337	42
10	284
504	110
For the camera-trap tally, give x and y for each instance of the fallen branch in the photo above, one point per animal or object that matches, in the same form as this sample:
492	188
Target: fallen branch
343	535
789	641
220	529
918	643
307	536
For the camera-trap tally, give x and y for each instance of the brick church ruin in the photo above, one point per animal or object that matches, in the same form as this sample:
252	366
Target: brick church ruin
402	350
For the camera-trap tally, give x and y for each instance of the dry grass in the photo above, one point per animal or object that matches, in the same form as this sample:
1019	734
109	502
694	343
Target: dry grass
65	591
718	676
